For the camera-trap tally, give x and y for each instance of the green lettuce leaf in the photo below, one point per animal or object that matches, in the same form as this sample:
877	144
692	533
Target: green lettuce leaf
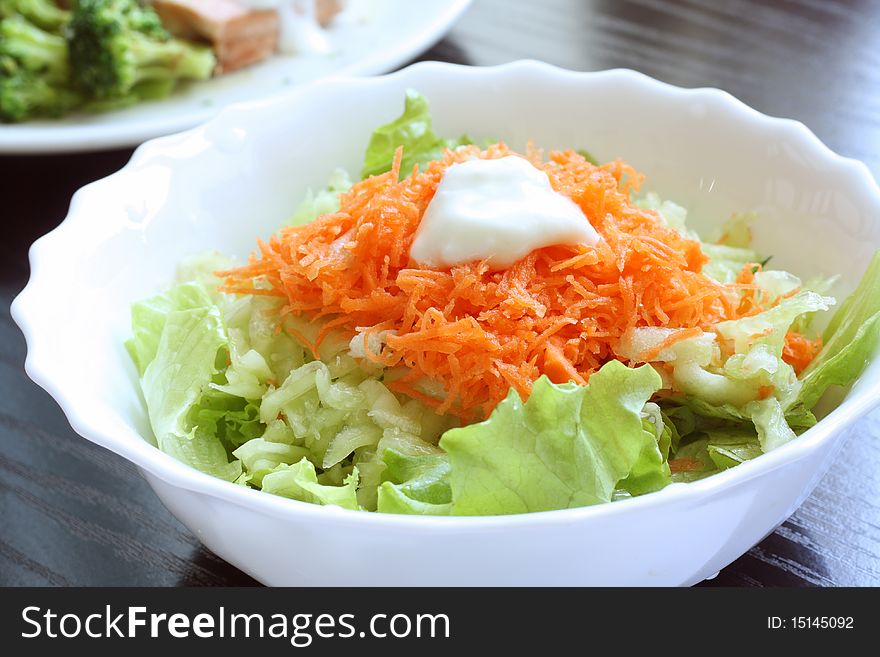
233	420
191	342
650	472
259	457
736	231
325	201
768	416
672	214
692	461
718	449
392	499
850	340
587	155
148	319
299	481
726	262
768	419
567	446
768	328
732	447
201	268
415	484
413	130
423	477
757	341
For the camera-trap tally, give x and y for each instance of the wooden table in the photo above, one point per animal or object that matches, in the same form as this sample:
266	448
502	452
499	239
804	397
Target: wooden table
73	513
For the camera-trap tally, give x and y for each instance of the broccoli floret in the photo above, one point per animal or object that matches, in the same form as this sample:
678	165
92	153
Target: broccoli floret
45	14
35	50
33	72
25	94
117	46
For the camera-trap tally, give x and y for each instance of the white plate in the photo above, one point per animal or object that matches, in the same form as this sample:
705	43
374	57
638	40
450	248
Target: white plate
396	31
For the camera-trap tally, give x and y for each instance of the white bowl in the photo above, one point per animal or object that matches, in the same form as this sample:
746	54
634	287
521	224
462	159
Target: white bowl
237	177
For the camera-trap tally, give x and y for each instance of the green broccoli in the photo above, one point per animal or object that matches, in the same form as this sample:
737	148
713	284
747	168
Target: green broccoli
26	95
119	48
33	72
34	49
45	14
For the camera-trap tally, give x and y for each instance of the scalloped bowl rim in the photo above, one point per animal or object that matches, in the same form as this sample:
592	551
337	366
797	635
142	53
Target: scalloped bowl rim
166	468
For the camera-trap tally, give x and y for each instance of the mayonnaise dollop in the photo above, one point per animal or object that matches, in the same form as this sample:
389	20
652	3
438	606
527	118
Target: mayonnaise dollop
496	210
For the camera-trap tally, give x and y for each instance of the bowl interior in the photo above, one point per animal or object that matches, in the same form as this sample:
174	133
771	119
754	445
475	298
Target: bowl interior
221	186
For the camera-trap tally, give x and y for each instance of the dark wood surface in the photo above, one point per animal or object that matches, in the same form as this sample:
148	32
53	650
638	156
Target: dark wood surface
73	513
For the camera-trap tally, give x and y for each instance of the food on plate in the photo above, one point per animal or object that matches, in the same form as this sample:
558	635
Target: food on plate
119	50
471	330
95	55
242	32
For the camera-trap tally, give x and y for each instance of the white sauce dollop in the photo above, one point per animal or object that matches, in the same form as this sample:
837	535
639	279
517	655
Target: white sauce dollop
496	210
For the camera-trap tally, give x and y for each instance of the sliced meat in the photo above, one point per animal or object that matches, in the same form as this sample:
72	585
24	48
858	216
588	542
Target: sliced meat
240	36
236	54
325	10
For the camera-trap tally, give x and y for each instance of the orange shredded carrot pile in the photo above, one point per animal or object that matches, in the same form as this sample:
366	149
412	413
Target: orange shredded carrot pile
558	311
799	350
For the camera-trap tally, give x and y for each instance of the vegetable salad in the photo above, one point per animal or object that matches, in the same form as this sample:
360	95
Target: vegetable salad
332	368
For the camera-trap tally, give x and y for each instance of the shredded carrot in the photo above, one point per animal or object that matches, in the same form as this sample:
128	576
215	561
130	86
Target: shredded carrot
560	310
765	391
799	350
684	464
557	367
675	338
